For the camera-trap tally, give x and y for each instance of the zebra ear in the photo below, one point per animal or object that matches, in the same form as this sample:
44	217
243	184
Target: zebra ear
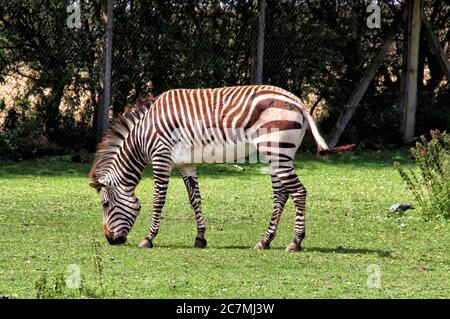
98	183
95	185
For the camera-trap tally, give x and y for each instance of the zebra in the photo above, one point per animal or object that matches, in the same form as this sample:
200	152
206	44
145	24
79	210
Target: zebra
272	120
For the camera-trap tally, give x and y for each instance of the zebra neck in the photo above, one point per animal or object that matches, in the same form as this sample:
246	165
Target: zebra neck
130	161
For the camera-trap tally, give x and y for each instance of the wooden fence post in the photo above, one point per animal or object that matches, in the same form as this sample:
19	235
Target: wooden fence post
436	48
410	98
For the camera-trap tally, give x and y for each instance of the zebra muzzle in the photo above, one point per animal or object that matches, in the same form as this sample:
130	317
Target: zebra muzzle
115	239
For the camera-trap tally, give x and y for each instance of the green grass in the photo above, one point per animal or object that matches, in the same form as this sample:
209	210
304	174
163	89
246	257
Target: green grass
50	217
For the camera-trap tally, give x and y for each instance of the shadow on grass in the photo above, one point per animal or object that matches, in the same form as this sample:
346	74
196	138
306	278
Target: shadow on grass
335	250
355	251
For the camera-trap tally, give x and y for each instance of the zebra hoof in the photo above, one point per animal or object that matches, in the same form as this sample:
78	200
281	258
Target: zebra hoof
293	247
146	244
200	242
261	246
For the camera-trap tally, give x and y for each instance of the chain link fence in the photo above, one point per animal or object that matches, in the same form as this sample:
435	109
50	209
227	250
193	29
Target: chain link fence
318	50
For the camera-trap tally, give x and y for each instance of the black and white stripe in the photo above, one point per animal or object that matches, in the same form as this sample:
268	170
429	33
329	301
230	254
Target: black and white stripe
272	121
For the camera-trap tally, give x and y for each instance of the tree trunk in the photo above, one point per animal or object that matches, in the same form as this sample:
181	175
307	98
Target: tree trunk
52	109
105	75
260	43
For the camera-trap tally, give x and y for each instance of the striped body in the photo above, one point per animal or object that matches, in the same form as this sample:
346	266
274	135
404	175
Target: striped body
230	119
182	128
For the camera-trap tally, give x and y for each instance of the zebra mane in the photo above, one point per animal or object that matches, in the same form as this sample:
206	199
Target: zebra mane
113	140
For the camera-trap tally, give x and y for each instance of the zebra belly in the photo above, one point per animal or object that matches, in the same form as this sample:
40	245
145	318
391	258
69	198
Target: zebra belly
276	132
229	152
266	147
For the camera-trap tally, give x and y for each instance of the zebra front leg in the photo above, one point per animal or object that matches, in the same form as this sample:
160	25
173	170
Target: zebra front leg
280	197
159	198
297	191
191	183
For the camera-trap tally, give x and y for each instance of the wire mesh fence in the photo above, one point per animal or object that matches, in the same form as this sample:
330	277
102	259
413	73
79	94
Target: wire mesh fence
318	50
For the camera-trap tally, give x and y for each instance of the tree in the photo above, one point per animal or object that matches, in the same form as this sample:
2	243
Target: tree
34	34
105	77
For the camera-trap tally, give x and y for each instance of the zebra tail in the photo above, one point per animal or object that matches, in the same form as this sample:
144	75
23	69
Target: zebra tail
322	146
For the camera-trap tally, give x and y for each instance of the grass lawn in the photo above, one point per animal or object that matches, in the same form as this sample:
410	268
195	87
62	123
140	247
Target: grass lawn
50	218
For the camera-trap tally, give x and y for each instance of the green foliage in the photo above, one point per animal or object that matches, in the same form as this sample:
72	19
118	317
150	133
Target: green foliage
21	134
98	263
45	289
431	187
54	286
34	35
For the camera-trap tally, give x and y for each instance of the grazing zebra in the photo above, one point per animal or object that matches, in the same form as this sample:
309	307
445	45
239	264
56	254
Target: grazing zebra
169	131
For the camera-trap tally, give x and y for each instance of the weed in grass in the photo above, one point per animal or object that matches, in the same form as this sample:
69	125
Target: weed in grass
431	188
57	286
98	263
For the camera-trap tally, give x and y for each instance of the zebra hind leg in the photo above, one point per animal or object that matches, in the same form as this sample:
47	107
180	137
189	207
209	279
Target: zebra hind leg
191	182
297	191
280	197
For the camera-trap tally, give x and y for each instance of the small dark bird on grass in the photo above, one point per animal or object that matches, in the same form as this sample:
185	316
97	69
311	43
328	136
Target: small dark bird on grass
400	207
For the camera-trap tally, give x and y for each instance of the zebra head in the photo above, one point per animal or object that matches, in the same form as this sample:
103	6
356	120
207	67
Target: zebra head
120	210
